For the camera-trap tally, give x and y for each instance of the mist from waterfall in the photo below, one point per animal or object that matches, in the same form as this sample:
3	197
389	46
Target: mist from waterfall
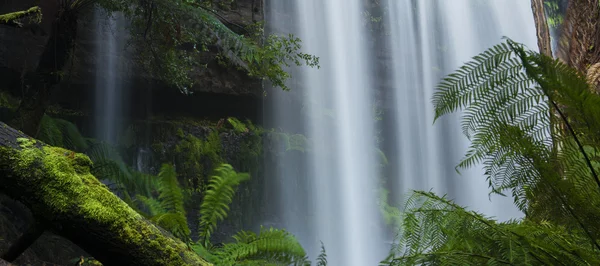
109	86
334	200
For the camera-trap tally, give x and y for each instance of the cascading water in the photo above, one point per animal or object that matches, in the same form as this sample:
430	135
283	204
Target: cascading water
424	40
342	164
429	39
109	89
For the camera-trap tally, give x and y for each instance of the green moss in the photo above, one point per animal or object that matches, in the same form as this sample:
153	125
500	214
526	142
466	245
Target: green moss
8	101
59	110
10	17
198	157
63	182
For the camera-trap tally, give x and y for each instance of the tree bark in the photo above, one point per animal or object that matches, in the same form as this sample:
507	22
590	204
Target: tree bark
579	41
541	27
56	185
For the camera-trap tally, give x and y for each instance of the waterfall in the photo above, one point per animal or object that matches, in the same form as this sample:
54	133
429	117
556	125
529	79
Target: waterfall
109	77
429	39
342	166
335	199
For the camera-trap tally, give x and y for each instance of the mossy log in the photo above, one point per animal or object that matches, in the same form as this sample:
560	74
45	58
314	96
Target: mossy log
56	185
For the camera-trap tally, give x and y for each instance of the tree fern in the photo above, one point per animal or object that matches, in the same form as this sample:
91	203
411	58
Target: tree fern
438	232
270	246
506	94
217	198
533	123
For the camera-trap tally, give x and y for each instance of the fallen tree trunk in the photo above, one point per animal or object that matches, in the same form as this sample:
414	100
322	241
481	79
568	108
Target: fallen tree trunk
56	185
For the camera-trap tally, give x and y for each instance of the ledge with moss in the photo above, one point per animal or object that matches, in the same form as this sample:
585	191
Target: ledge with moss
12	19
56	185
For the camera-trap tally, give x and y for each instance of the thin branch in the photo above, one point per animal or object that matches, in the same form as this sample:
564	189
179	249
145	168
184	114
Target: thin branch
579	145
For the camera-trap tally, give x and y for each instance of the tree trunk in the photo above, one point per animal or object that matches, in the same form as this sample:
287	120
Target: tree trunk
541	27
579	41
56	185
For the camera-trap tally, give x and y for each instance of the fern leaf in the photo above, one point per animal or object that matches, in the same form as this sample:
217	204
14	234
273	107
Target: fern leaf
322	258
437	231
270	245
109	165
173	218
217	198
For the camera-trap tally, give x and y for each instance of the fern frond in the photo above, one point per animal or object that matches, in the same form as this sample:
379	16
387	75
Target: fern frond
437	231
217	198
275	246
174	222
109	165
61	133
171	197
151	207
322	258
510	98
171	214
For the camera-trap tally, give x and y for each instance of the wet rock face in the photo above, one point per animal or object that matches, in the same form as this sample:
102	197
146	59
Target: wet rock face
20	50
215	78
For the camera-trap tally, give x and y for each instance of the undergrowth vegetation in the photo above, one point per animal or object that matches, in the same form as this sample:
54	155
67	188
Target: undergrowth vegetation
165	201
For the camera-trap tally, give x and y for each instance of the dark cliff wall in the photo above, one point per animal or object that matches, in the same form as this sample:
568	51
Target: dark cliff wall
219	90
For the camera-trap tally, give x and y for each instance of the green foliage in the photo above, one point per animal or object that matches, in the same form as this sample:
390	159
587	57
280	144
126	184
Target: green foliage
171	201
322	258
61	133
438	232
237	125
554	13
8	101
269	247
109	165
217	198
167	210
34	15
389	213
171	34
152	206
171	198
297	142
533	123
289	142
201	156
501	106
